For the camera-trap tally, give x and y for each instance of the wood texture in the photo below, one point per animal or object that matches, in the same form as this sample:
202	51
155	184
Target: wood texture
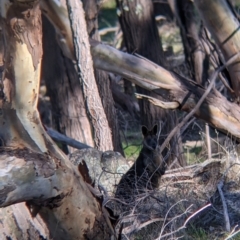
101	131
216	109
224	28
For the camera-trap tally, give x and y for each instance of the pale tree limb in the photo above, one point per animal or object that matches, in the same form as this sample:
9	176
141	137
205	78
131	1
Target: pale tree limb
157	102
25	175
102	134
197	106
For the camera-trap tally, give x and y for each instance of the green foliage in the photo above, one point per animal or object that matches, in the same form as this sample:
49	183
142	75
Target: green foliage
108	18
191	154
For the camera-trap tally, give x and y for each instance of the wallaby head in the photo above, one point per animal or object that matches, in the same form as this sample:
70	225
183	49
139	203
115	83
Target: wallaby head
150	156
150	140
147	168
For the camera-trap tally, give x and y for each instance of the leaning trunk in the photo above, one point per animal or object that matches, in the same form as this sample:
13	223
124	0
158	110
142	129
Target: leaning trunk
102	78
224	26
64	89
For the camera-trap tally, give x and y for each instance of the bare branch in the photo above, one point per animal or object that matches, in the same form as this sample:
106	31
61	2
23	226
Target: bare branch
157	102
225	209
65	140
214	108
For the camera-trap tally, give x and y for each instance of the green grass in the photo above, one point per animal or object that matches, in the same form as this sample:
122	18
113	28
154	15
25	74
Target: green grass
197	233
110	4
191	154
131	151
236	237
132	144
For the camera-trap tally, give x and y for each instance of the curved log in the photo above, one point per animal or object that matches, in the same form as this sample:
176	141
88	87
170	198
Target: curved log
216	109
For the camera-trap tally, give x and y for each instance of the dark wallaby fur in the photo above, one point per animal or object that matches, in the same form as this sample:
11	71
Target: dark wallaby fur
147	169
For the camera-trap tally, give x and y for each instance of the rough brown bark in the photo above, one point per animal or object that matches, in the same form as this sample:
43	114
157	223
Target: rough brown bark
95	111
189	27
141	36
64	89
102	79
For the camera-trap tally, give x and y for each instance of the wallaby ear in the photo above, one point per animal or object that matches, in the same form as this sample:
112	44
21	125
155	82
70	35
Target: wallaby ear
155	129
144	130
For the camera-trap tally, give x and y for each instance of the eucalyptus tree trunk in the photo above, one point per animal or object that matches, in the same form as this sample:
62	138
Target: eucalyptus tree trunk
58	15
91	8
63	87
32	167
141	36
189	24
223	25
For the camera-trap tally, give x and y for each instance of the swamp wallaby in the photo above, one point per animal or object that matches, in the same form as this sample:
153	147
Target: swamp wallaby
147	169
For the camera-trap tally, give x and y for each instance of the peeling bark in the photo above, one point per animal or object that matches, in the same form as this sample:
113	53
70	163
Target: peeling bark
55	187
33	169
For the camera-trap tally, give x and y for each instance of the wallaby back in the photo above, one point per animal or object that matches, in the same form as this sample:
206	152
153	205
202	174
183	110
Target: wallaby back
148	167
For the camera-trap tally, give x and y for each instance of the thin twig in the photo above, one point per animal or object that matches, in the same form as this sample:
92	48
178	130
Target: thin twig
225	209
233	233
183	200
195	213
